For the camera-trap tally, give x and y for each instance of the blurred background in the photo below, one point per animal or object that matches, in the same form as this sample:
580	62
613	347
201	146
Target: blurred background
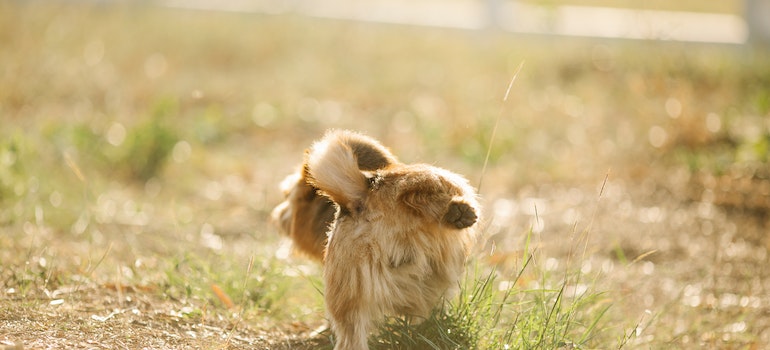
157	131
716	22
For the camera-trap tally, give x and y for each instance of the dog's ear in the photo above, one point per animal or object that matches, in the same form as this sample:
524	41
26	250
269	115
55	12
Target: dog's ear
454	212
332	167
460	214
424	202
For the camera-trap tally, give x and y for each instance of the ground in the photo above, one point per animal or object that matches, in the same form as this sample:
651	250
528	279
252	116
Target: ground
141	150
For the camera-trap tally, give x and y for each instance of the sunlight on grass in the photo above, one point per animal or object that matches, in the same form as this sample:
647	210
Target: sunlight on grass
141	148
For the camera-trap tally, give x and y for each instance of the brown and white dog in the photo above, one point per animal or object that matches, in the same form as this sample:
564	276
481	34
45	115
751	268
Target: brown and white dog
399	237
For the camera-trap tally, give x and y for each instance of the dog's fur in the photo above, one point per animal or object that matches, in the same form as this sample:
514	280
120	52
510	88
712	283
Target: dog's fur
398	240
305	215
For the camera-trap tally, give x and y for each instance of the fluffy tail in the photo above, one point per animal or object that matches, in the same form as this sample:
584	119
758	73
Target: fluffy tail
334	168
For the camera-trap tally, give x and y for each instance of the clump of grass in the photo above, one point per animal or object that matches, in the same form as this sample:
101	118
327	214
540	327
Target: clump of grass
490	313
455	325
191	275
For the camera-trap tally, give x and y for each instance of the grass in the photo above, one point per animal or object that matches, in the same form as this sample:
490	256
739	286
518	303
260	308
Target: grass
139	164
491	314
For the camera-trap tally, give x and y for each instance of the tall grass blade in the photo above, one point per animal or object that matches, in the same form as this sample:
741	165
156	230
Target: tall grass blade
494	128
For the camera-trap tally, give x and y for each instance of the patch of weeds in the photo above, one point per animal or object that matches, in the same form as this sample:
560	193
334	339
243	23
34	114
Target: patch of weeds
138	152
148	145
35	275
260	285
10	170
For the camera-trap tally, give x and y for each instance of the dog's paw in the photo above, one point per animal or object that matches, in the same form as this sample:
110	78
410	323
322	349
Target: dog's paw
460	215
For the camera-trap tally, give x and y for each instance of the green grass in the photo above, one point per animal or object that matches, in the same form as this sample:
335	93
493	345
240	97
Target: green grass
141	148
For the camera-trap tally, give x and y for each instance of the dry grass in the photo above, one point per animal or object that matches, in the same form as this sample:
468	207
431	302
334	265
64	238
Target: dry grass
141	148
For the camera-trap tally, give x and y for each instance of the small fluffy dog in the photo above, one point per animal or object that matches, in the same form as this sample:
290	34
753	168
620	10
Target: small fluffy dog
397	241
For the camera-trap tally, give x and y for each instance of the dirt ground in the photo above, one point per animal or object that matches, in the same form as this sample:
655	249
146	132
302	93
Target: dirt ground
692	273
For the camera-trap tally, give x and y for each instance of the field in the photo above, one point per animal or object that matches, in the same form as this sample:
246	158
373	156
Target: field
626	194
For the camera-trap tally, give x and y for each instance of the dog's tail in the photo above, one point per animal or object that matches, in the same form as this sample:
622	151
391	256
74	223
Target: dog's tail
335	162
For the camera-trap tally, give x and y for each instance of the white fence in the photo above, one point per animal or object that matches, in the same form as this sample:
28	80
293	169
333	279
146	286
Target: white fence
521	17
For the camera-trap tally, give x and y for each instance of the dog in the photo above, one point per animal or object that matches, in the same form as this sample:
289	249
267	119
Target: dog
399	237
